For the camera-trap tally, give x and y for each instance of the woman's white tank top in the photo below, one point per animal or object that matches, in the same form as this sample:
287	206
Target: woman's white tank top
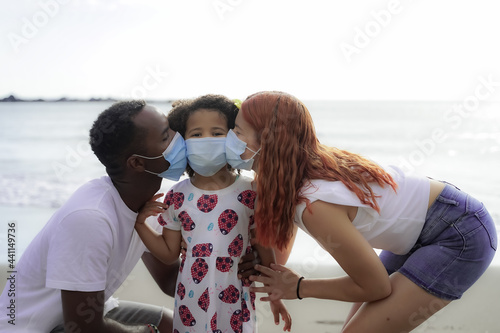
402	213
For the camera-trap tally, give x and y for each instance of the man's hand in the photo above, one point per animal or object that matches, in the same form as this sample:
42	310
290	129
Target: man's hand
246	266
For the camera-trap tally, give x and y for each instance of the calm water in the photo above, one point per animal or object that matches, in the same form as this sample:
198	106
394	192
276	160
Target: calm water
45	154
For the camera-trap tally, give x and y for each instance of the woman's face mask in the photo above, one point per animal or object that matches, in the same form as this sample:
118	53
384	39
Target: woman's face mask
234	148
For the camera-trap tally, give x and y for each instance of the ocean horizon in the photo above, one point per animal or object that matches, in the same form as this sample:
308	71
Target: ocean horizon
46	155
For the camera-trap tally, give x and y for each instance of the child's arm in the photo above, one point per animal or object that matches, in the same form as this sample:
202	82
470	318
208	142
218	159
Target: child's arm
166	246
278	308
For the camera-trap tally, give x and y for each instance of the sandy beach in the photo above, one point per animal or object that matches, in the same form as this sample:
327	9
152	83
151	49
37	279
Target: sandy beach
476	312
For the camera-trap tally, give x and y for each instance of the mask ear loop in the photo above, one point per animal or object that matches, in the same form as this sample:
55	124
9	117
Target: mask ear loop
146	157
254	152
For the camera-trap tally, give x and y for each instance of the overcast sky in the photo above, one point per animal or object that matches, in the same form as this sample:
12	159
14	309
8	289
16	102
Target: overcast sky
341	50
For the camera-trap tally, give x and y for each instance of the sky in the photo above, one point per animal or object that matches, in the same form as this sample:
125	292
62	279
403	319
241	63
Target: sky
315	49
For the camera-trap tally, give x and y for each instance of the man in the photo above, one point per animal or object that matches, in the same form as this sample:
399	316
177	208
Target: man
67	275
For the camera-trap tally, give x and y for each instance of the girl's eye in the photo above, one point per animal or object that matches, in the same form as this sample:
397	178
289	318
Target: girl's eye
218	134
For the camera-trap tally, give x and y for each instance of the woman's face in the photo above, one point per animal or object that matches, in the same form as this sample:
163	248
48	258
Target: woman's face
247	133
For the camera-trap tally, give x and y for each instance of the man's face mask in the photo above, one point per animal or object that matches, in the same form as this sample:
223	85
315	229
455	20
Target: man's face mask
175	154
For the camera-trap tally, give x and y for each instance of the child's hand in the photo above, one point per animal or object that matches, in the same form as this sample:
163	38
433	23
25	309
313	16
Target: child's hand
151	208
278	308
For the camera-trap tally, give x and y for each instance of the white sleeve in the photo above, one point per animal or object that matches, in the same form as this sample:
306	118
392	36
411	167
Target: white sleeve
79	252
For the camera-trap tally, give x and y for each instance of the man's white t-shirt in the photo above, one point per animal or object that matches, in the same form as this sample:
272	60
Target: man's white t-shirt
89	244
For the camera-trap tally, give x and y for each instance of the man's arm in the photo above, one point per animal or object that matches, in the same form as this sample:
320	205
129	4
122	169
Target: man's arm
83	312
164	275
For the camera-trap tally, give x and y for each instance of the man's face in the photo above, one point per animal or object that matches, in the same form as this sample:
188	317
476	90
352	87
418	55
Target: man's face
159	136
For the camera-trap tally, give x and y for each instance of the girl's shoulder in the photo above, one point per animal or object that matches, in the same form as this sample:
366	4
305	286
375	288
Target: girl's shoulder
181	186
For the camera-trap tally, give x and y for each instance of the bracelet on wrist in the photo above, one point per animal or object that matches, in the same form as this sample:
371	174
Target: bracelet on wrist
298	286
153	328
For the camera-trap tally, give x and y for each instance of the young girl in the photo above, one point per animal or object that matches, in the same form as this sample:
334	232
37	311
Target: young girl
436	240
213	211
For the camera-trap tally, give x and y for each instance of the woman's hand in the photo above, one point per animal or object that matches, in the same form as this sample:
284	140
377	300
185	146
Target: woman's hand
279	282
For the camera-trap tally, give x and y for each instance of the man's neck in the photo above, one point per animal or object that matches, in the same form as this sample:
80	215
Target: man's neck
136	192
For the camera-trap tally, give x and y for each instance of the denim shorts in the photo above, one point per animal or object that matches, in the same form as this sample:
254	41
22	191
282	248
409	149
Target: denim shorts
456	245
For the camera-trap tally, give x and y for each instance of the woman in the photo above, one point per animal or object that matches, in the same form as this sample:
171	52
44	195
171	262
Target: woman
436	240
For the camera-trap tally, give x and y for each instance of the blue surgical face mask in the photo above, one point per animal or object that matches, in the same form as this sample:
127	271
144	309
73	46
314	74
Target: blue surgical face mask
175	154
206	156
234	148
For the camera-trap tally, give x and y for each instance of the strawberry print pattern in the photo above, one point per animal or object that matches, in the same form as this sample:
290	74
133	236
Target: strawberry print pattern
227	221
206	203
247	198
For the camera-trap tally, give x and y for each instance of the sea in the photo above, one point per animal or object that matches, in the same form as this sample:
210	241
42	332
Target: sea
45	154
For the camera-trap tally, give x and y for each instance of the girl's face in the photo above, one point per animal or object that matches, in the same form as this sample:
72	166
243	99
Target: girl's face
247	133
206	123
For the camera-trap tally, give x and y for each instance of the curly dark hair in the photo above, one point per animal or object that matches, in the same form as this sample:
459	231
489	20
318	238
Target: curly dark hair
184	108
114	136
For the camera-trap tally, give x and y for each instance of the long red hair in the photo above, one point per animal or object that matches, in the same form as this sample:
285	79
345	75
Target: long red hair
290	155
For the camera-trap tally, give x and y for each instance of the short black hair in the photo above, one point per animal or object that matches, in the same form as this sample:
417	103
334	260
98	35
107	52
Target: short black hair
114	136
183	109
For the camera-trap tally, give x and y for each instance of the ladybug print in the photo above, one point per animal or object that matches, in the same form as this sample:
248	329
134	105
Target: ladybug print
206	203
213	324
224	264
230	295
252	299
203	250
181	291
252	221
187	222
236	322
174	198
204	300
199	270
247	198
236	246
245	313
181	267
216	227
227	221
186	316
161	220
